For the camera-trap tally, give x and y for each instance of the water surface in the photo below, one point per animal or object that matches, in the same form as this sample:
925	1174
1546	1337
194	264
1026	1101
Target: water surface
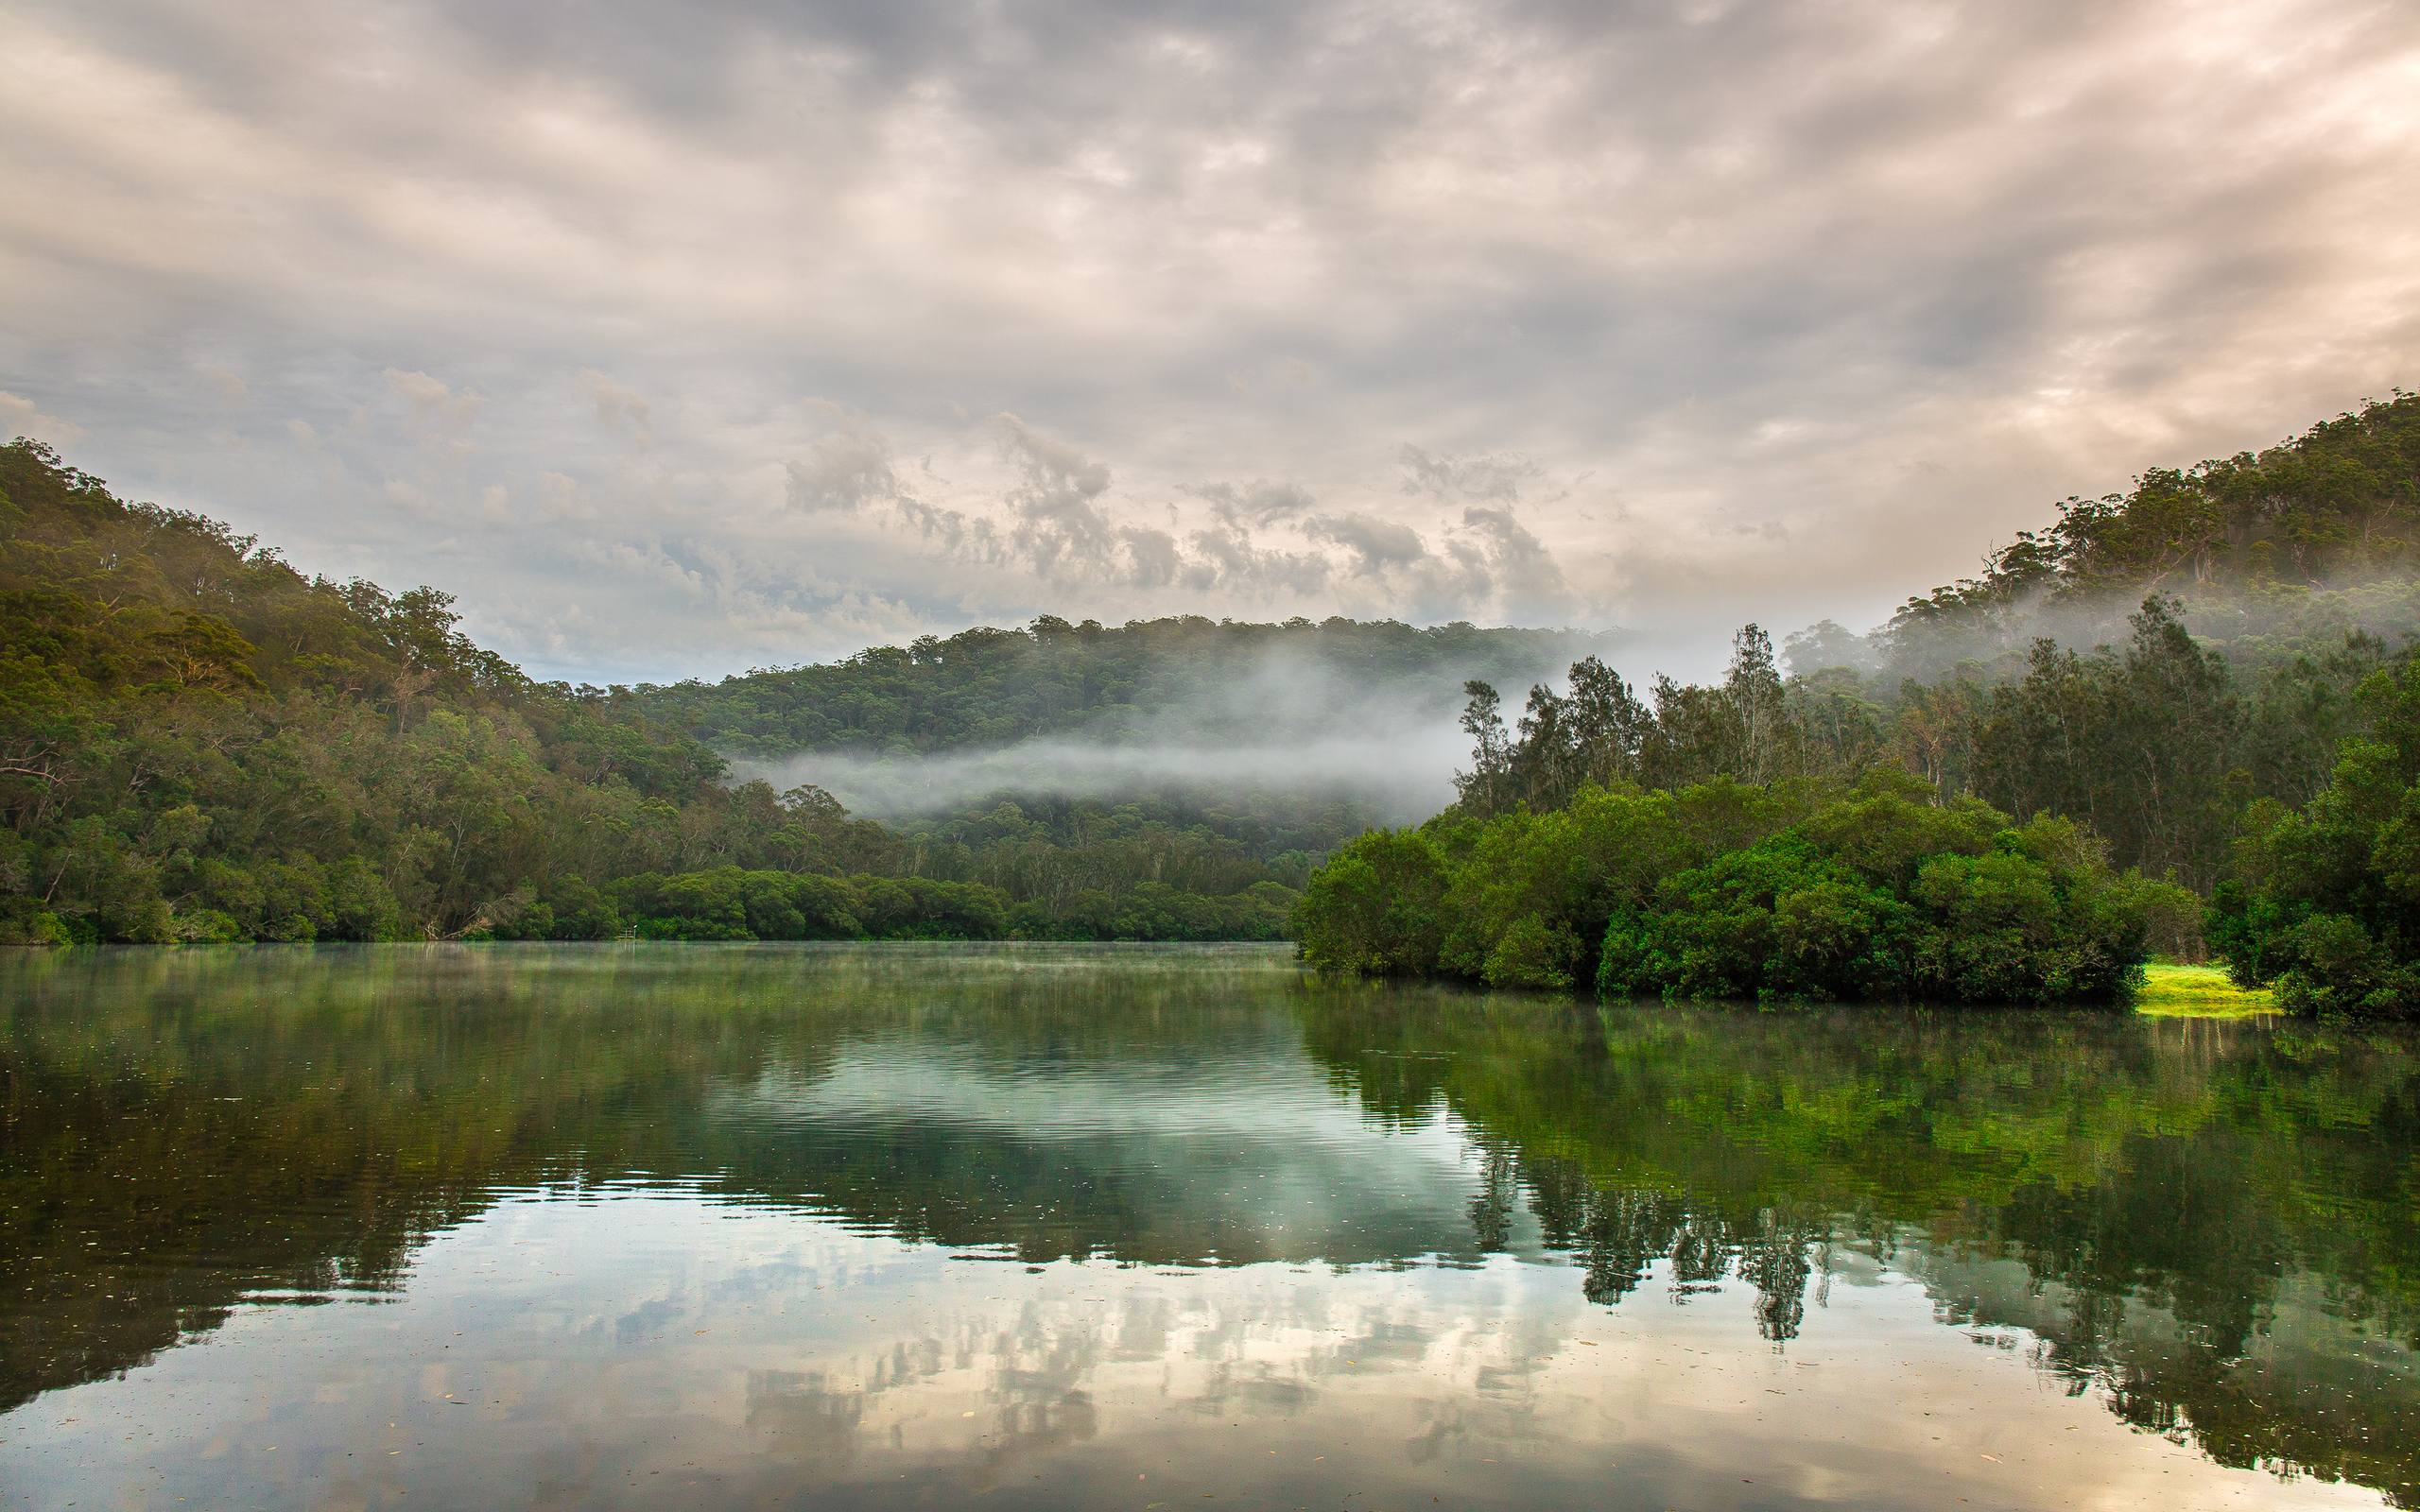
877	1226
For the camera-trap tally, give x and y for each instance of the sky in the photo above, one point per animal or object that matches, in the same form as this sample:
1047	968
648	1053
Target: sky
678	340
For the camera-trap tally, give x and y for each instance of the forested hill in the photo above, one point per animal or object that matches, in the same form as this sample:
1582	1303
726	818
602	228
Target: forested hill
2262	552
2212	681
990	688
2340	502
199	743
117	613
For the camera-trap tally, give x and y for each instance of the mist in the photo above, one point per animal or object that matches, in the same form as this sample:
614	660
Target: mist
1403	773
1285	724
2252	628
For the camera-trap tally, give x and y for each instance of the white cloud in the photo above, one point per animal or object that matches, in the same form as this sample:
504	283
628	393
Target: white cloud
433	409
20	415
845	471
1506	308
618	409
1375	544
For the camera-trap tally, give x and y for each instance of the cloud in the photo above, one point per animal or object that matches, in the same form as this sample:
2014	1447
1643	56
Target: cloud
1255	504
1672	314
559	498
1061	526
226	386
433	409
618	409
1490	478
20	415
1152	555
1225	559
1524	570
1375	544
844	472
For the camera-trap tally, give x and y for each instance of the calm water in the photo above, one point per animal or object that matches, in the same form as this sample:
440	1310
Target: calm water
633	1226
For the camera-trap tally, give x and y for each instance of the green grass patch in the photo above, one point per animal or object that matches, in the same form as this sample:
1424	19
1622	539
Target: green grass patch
2199	991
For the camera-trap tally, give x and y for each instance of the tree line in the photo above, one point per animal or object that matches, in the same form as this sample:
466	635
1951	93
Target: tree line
1795	890
199	742
2265	766
989	687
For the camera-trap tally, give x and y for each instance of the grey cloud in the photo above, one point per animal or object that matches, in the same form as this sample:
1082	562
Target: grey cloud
1258	503
618	409
1488	478
1225	557
1889	275
20	415
955	532
558	497
1375	545
846	470
1524	570
434	409
1061	527
1152	555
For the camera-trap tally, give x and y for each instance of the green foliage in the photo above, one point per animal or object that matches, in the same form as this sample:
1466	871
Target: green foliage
1175	862
2147	665
191	732
199	744
1884	898
1531	894
1790	892
1374	909
2337	505
2324	903
2232	684
2156	744
989	687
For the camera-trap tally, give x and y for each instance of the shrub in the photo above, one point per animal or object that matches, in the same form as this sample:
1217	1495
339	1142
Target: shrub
2325	905
1373	909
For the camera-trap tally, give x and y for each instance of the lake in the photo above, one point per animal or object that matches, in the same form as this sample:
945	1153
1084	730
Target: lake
1164	1228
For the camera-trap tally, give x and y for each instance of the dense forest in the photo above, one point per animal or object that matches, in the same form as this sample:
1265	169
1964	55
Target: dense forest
2244	728
1792	890
2202	691
199	743
986	688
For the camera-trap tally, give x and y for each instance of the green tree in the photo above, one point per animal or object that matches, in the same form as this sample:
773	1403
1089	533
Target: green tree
1372	909
2324	903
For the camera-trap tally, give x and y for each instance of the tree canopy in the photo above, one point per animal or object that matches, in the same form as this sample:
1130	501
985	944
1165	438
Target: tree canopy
199	742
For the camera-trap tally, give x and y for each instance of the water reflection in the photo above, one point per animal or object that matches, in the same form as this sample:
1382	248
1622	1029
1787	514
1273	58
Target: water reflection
869	1226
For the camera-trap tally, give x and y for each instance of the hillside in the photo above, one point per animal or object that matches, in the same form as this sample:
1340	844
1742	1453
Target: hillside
2267	554
2014	791
1114	684
199	743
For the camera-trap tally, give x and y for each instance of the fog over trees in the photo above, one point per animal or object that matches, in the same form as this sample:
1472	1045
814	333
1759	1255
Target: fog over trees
2263	667
2185	693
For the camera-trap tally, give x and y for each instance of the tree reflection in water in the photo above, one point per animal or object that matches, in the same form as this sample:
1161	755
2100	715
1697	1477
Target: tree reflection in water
2211	1227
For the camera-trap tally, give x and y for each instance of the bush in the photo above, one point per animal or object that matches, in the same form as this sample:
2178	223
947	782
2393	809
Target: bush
207	926
2325	905
26	925
1849	905
1786	893
360	905
1373	909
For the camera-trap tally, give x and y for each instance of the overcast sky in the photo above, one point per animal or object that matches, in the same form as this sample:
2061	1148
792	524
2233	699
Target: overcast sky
677	339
